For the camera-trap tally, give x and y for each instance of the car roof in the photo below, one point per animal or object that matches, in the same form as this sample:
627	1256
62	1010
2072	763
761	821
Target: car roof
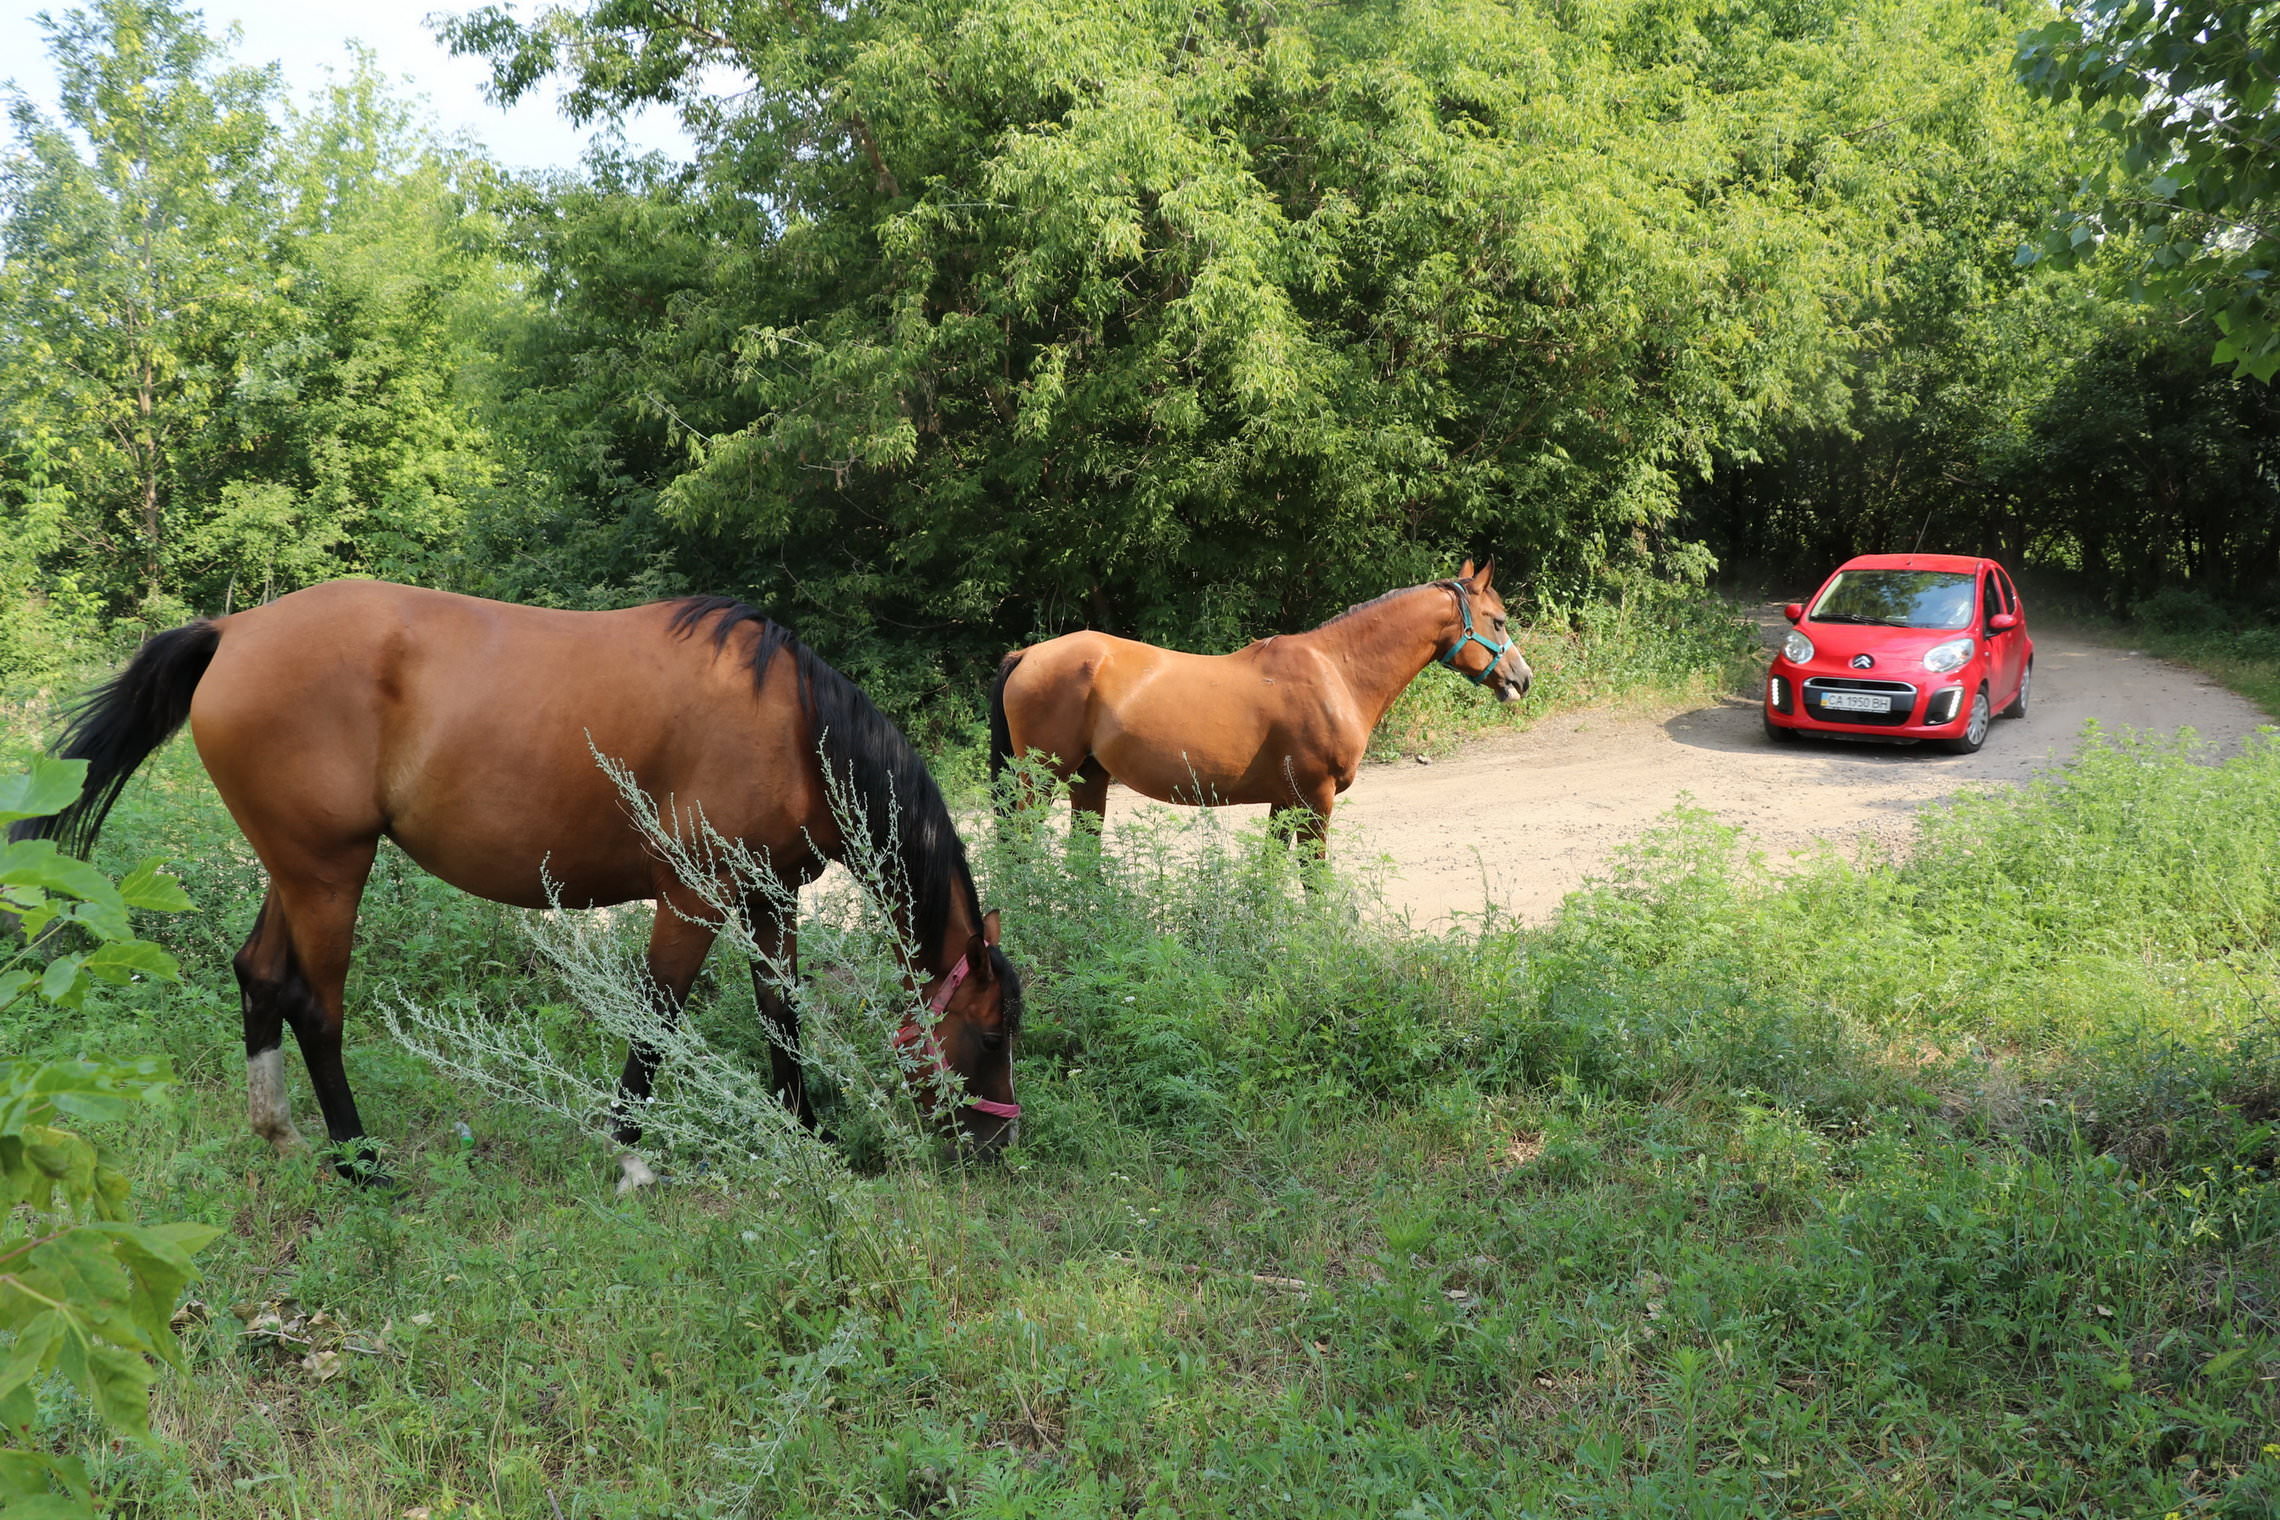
1963	562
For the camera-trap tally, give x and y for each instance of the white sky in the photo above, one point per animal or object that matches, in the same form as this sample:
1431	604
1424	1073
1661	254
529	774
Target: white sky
309	36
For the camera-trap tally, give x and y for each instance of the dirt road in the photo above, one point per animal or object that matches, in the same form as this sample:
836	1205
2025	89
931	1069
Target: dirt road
1522	820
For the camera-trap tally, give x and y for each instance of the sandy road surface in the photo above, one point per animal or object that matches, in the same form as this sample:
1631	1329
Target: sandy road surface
1522	820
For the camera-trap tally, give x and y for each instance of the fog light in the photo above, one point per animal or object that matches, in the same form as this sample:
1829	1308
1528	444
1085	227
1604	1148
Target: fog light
1942	707
1778	690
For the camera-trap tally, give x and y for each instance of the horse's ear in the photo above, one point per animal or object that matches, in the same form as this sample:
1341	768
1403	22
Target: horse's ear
978	946
1487	569
1465	574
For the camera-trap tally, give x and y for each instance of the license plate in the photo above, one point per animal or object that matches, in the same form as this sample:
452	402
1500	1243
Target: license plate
1856	701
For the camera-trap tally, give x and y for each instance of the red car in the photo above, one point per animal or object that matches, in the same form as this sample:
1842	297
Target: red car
1903	646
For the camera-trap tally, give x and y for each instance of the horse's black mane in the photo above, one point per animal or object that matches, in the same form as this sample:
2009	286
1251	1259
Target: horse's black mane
865	752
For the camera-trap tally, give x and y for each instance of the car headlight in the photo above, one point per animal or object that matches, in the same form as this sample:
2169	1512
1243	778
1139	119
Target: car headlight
1796	649
1942	658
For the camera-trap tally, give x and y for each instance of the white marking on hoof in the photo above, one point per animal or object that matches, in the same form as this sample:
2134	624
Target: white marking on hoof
265	1104
633	1174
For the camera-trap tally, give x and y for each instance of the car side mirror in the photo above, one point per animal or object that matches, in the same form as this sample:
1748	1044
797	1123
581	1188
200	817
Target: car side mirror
2003	622
1794	611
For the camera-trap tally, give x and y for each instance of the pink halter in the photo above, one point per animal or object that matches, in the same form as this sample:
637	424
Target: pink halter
930	1044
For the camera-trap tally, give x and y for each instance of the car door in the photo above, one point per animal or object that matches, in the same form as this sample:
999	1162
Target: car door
2003	645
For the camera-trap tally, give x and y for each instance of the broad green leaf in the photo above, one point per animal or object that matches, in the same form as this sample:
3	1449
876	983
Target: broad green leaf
124	960
118	1382
50	786
149	887
104	920
38	863
39	1338
28	1480
61	983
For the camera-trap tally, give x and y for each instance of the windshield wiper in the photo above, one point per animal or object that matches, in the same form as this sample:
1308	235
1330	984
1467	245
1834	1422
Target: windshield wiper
1846	617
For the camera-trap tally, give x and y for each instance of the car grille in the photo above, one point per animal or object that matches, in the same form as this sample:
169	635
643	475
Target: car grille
1903	701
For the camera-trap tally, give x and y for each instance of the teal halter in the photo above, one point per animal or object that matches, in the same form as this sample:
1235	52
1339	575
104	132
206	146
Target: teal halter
1495	651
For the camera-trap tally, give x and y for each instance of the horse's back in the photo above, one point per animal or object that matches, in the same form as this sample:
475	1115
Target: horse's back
1173	725
467	729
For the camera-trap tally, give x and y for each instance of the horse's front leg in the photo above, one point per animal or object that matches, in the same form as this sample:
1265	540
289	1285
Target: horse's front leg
775	936
679	940
1306	823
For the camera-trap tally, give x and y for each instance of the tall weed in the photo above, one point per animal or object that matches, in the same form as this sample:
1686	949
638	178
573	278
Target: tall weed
1938	1184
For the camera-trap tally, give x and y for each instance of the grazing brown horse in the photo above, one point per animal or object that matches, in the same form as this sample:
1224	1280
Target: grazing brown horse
1282	722
465	730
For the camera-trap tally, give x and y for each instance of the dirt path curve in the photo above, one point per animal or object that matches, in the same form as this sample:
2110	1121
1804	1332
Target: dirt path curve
1523	819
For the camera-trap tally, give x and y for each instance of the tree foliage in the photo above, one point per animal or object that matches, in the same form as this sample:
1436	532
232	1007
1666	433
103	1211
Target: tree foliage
970	321
990	317
134	262
2191	89
232	334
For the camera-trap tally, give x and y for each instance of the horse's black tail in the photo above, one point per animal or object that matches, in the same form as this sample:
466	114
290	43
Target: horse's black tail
1001	732
116	726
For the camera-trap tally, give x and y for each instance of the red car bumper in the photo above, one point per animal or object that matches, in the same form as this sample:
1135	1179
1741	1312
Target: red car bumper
1813	701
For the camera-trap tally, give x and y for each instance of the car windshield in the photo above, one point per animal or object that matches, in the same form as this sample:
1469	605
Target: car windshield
1898	599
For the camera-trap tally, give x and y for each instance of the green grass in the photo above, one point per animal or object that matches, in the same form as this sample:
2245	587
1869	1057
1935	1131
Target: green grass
1939	1186
1642	1210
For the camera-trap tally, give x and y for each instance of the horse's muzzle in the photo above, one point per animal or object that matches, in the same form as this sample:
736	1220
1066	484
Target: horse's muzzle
990	1136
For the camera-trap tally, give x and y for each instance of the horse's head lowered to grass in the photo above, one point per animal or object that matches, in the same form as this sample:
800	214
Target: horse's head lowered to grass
975	1012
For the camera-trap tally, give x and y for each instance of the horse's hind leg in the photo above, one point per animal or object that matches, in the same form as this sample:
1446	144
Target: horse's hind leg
1088	793
267	980
293	970
679	940
774	934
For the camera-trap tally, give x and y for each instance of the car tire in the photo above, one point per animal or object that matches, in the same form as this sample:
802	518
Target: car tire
1974	727
2018	707
1776	733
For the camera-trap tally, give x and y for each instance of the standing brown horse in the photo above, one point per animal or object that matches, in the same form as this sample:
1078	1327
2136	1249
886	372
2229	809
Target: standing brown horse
1282	722
465	730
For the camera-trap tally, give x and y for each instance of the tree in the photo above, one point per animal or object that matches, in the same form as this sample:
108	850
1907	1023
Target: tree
985	317
355	446
2189	88
235	337
133	272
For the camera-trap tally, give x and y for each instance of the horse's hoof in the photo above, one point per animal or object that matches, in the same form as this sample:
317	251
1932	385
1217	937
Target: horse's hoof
366	1173
633	1174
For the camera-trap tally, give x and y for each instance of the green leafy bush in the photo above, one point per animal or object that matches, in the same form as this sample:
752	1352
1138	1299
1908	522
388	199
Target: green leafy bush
86	1294
2177	609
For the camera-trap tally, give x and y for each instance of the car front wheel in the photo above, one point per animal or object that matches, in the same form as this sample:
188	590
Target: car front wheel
1974	727
1778	734
2018	707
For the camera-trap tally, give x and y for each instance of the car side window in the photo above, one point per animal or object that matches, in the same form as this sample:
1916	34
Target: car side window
2010	592
1991	600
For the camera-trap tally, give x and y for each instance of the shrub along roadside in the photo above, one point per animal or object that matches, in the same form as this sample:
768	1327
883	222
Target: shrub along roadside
2239	650
86	1294
1899	1189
